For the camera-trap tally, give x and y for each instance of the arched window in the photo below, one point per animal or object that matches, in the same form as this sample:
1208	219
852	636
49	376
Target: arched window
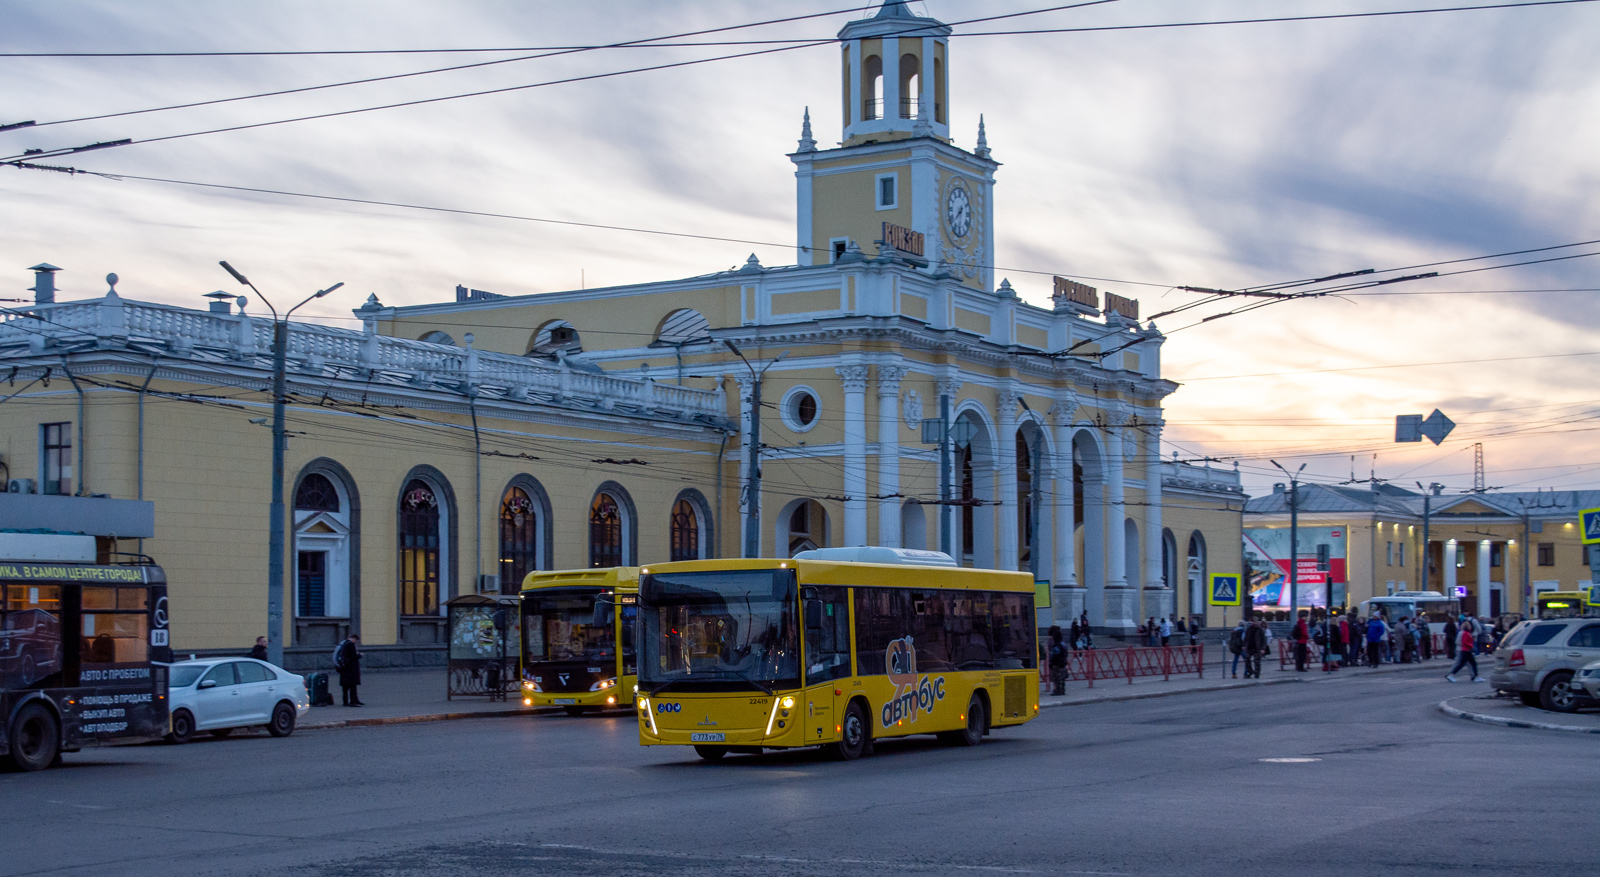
684	326
519	539
605	531
685	531
968	484
1197	572
437	337
808	527
1025	510
419	549
872	92
910	85
316	494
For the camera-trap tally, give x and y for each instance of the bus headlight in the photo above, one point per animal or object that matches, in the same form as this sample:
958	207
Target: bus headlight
788	703
603	684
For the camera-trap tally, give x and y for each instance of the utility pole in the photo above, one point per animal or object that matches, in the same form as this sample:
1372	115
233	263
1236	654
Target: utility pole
275	532
1294	539
752	521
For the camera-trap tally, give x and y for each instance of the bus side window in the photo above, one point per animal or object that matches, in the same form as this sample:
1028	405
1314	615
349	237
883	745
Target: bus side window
827	614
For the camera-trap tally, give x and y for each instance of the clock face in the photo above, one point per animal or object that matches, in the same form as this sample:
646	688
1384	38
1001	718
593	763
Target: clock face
958	211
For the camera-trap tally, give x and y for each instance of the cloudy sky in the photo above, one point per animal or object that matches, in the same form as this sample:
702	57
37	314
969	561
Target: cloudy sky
1224	157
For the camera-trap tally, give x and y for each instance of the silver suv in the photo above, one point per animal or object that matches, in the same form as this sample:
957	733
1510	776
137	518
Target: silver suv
1538	660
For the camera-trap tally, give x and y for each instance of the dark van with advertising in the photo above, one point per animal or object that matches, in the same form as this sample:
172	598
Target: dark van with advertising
82	654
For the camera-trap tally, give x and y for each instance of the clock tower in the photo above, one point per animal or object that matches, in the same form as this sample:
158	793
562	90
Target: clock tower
896	180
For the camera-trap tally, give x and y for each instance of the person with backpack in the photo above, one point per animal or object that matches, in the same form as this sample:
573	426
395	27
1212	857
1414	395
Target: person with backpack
1236	645
347	660
1255	645
1465	656
1058	662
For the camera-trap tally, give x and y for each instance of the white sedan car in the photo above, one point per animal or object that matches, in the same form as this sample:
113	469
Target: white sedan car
220	694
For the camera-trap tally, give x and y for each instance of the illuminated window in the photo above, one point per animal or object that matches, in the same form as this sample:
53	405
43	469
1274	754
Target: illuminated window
419	550
519	539
605	532
685	529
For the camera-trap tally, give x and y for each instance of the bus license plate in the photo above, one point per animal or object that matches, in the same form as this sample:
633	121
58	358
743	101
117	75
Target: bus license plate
565	700
708	738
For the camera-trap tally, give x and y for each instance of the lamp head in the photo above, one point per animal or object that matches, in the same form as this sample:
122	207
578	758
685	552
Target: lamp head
236	275
321	293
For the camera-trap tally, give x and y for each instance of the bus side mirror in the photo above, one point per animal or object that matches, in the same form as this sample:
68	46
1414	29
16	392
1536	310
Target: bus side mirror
602	614
814	614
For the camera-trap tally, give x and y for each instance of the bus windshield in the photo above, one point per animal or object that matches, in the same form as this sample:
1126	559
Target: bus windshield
719	631
568	626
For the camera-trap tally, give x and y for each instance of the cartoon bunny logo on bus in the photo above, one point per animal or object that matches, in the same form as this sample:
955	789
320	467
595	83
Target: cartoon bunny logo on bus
913	694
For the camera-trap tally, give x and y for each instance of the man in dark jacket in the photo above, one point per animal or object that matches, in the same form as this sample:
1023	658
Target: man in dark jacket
1450	637
1255	645
1058	662
260	650
348	662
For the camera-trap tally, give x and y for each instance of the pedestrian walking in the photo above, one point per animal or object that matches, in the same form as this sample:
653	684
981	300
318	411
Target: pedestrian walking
1074	634
347	660
1194	630
1450	637
1425	637
1166	632
1058	662
1465	657
1236	646
1301	638
1377	633
1255	646
1344	628
1328	640
260	650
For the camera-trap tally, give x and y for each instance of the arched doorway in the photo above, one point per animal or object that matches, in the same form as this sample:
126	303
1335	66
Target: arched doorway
326	554
1196	567
802	526
975	491
1032	511
1088	486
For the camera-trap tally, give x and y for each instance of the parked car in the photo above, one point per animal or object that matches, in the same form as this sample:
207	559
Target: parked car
30	647
221	694
1539	660
1588	679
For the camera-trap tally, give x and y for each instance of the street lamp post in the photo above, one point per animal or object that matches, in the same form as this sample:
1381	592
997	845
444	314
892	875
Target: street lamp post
752	521
1427	521
275	532
1294	538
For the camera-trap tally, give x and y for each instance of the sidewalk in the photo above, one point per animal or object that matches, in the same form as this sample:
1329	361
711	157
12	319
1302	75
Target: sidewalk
1510	712
394	697
1111	690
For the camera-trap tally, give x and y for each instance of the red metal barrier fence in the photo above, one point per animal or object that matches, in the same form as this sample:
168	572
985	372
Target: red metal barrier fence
1103	664
1314	651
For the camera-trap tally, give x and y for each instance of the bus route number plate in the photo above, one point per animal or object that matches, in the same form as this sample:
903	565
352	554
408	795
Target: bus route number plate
565	700
708	738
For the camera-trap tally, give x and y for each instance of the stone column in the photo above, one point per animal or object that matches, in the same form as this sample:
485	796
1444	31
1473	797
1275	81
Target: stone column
889	377
1006	484
1160	600
1483	578
1066	597
1122	602
854	380
1450	548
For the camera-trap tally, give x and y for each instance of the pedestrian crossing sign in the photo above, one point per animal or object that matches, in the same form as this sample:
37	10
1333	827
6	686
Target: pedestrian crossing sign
1589	519
1224	589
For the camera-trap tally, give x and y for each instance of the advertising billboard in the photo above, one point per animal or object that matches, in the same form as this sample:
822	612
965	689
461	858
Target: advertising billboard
1320	565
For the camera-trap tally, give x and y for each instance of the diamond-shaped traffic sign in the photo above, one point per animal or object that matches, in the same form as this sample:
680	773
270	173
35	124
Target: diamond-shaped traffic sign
1437	426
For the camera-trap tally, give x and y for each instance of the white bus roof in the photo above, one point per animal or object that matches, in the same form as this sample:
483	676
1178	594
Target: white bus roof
879	554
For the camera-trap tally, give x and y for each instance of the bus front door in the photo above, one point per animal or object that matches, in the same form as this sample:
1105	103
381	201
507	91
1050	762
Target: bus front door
827	617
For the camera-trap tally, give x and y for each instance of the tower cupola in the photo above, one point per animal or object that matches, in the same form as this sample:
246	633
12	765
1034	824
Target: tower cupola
894	84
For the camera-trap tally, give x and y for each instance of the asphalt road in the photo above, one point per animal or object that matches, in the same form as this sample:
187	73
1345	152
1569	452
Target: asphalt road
1175	785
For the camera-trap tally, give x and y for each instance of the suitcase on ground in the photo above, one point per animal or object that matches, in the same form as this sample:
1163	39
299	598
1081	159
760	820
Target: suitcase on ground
317	688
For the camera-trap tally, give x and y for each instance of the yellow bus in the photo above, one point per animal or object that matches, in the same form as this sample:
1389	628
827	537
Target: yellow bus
1564	604
577	638
836	648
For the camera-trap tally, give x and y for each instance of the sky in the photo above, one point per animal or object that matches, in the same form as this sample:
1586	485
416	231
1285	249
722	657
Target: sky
1136	160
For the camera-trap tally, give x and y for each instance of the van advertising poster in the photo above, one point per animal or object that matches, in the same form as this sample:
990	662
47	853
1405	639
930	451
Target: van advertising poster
1266	551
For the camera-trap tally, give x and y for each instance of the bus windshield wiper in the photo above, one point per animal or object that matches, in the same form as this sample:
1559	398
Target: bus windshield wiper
754	682
663	687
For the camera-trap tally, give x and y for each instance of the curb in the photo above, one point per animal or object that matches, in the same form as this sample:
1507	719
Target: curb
1457	712
1145	695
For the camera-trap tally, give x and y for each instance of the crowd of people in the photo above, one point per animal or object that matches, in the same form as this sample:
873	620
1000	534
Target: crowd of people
1349	640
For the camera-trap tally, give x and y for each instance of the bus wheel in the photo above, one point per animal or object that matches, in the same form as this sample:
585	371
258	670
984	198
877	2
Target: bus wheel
35	738
855	738
282	724
711	753
182	727
973	735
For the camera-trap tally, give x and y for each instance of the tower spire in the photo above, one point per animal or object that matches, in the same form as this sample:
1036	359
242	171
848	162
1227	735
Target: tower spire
983	140
807	143
895	9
